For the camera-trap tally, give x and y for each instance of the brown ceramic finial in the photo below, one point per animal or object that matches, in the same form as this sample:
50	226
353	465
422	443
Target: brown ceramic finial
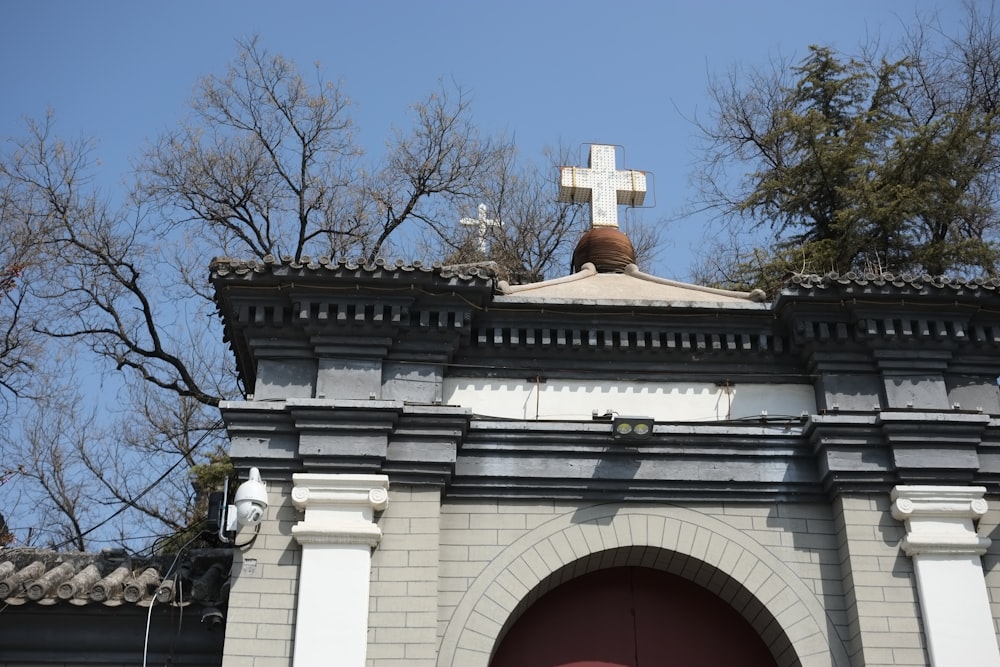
607	248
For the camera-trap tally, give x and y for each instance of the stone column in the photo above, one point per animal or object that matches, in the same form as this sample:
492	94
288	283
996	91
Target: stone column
946	549
337	536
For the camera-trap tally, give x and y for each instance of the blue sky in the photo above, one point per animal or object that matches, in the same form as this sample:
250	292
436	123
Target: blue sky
627	72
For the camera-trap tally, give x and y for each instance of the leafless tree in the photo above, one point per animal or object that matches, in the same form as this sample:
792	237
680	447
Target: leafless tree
262	164
265	164
534	235
49	480
24	225
442	161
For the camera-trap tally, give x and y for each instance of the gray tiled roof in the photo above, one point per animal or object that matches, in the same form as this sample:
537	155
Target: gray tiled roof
222	266
112	578
903	280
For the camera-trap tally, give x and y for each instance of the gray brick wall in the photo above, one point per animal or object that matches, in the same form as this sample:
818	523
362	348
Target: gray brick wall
447	579
260	624
989	526
881	595
494	555
403	610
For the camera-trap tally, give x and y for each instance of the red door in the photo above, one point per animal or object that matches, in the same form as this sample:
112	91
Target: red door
631	617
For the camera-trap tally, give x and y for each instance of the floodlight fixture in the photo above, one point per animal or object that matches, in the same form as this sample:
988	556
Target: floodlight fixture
632	428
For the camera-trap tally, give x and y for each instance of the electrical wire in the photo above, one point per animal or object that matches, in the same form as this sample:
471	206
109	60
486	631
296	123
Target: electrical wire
149	618
251	540
180	607
152	603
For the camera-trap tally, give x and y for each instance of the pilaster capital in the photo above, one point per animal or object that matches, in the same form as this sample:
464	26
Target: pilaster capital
339	509
939	519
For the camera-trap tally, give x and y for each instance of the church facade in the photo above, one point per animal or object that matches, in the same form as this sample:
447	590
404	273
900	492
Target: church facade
612	468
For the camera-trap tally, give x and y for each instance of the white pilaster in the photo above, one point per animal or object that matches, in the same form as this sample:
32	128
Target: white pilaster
337	536
942	540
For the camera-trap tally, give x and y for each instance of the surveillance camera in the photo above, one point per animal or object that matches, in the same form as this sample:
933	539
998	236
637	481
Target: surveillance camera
212	618
251	500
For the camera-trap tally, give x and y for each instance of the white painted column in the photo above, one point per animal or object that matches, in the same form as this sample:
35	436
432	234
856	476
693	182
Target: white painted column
337	536
946	549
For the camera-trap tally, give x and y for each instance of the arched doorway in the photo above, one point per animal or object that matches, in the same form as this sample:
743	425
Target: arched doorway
631	617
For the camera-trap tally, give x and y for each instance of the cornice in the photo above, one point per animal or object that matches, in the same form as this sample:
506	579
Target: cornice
315	308
872	451
765	461
423	445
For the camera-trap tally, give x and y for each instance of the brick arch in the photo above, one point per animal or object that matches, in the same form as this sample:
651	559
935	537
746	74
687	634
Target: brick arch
632	616
741	571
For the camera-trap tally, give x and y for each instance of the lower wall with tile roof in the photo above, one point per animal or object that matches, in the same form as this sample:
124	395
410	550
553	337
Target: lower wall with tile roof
111	607
100	636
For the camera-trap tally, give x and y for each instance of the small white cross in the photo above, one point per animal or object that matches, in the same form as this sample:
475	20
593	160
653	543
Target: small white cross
602	185
484	224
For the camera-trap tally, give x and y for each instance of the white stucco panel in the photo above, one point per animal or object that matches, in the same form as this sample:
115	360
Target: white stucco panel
663	401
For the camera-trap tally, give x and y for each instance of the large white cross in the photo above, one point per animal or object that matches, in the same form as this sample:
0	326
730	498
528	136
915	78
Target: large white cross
603	186
484	224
